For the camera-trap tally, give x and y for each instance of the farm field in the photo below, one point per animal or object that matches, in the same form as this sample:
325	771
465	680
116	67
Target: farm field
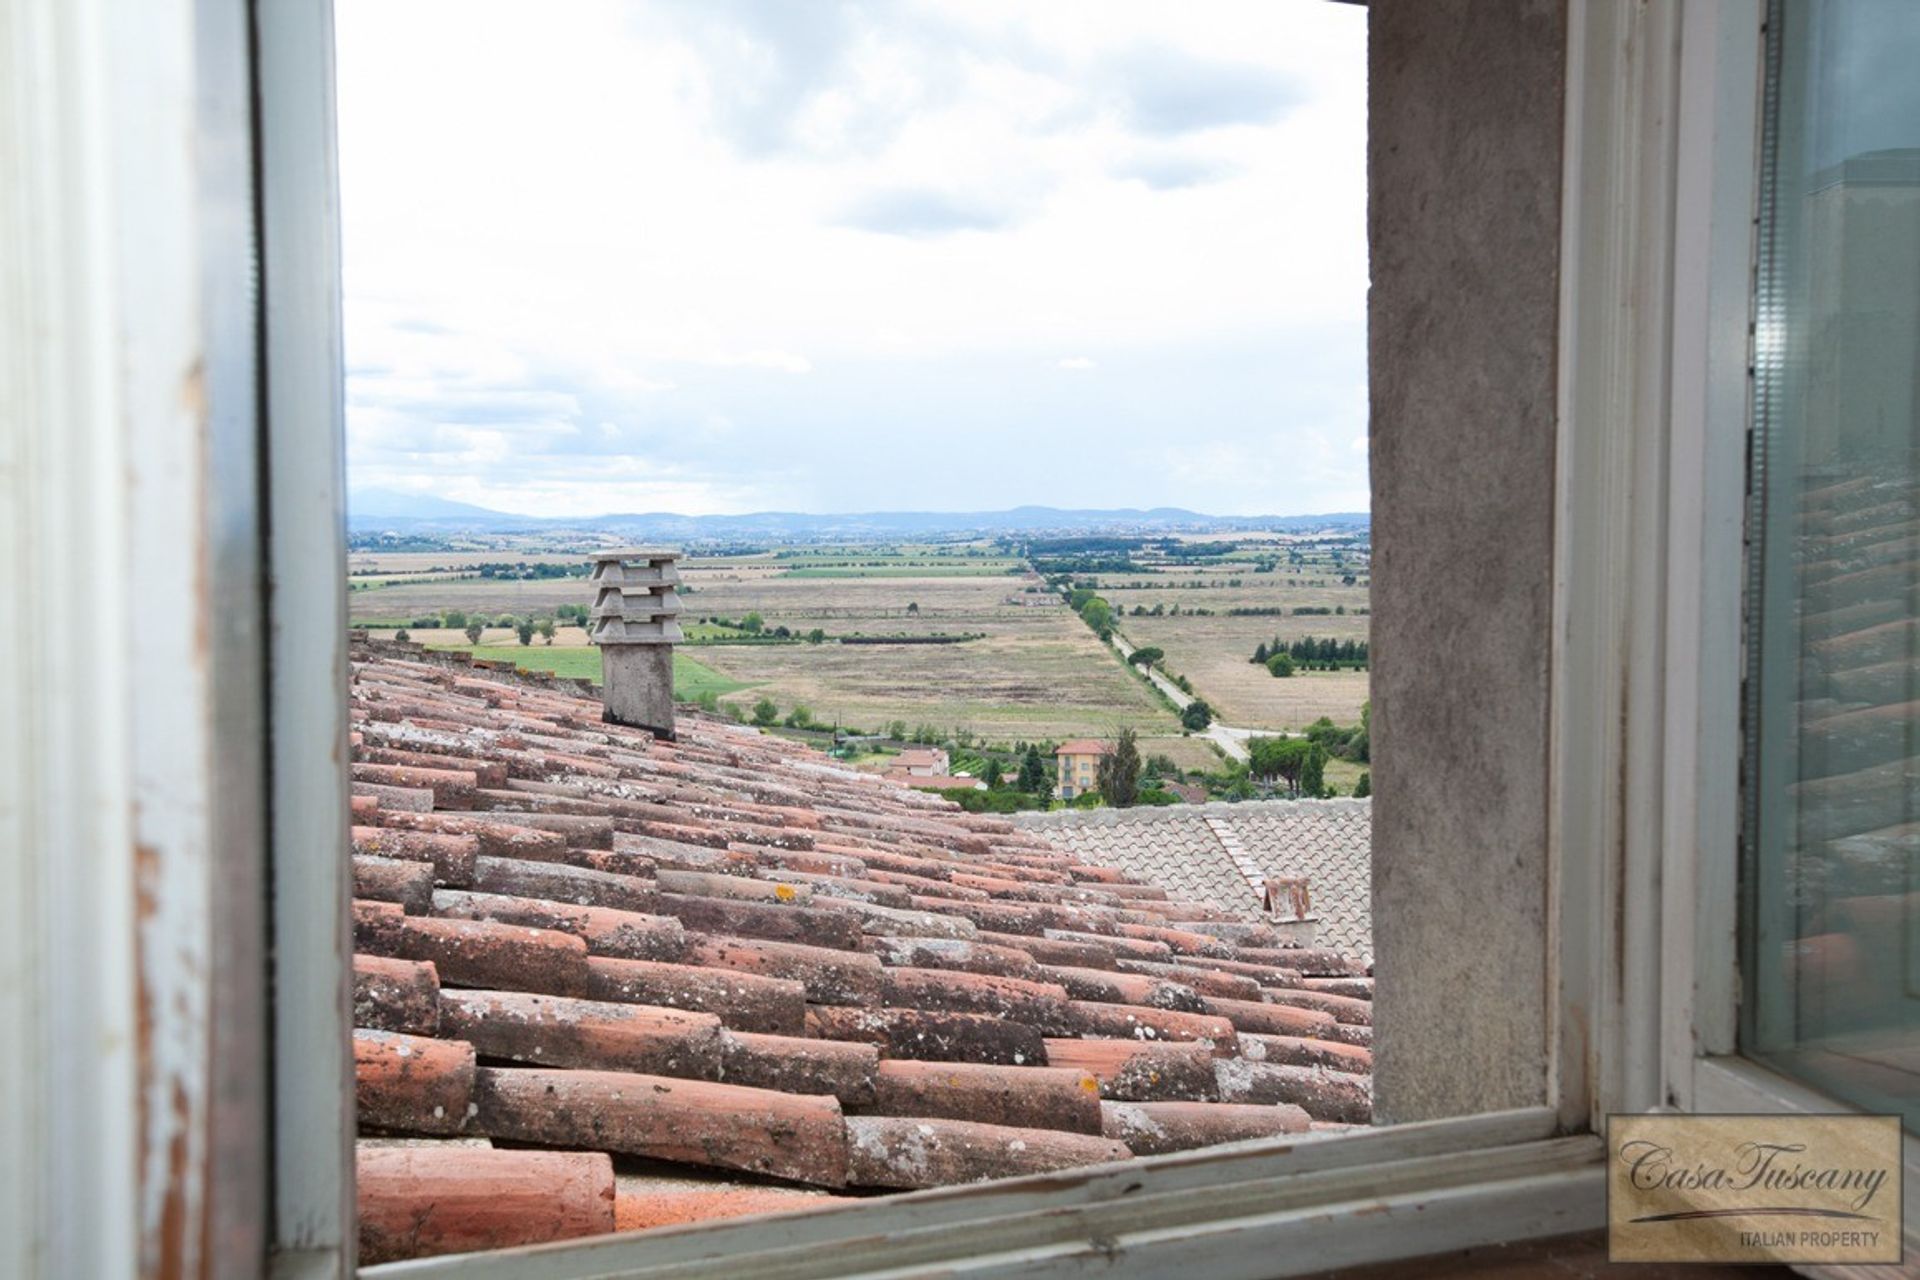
1213	653
691	677
1031	674
1021	674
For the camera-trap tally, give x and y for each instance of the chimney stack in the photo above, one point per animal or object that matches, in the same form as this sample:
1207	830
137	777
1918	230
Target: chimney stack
635	621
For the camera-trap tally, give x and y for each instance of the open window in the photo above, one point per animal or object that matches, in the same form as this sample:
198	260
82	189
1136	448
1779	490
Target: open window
1560	339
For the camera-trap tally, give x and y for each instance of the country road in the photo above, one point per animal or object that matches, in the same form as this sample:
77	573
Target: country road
1229	738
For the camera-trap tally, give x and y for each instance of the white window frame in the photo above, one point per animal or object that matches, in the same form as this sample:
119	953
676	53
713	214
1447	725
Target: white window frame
1660	112
1695	868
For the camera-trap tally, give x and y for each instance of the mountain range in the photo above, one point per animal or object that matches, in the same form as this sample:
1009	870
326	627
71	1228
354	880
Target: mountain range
385	510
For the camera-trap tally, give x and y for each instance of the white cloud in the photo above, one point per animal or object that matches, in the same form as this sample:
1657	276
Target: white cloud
658	215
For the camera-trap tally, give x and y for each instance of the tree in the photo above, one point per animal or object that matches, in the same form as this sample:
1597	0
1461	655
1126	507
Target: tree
454	619
1099	615
546	629
402	635
1363	788
1265	755
913	607
1280	664
1260	654
1146	655
991	775
1034	778
765	713
897	730
1313	764
800	717
474	633
752	623
816	636
524	629
1197	715
1119	774
1299	763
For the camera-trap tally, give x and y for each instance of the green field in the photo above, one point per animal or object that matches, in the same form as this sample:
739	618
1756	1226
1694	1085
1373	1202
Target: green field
691	679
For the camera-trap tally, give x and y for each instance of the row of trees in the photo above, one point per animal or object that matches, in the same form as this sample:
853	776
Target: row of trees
1093	611
754	627
1310	654
524	628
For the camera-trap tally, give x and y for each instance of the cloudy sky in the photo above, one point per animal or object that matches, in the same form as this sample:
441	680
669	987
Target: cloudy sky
853	255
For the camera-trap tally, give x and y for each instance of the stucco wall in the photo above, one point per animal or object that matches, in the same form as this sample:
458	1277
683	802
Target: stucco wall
1464	151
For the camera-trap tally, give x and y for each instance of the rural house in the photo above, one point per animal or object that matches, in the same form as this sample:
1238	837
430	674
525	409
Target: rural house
923	762
1077	765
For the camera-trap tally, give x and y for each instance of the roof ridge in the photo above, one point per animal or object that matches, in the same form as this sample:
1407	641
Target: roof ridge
1176	812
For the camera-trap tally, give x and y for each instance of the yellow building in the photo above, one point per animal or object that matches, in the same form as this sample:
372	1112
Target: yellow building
1077	766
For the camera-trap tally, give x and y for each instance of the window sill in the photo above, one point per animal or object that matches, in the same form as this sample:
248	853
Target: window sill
1735	1084
1254	1210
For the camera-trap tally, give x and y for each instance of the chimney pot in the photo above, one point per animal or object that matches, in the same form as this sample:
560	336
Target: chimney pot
636	620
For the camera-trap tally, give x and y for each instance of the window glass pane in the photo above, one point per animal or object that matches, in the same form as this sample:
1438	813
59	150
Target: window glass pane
1832	872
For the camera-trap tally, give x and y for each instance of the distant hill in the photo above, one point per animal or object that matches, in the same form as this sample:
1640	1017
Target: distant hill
390	504
378	510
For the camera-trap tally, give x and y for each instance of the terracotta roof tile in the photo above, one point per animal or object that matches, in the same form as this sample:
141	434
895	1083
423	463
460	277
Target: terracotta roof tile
1142	1070
396	995
801	1064
1155	1128
1326	1094
451	856
1038	1004
415	1084
1141	1022
1124	988
786	1135
1024	1097
1271	1019
967	955
889	1152
607	931
932	1034
644	1202
420	1201
477	953
742	1001
561	1031
408	885
1299	1052
732	955
830	977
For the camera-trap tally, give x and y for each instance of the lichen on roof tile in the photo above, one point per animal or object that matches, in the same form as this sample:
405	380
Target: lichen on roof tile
724	974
